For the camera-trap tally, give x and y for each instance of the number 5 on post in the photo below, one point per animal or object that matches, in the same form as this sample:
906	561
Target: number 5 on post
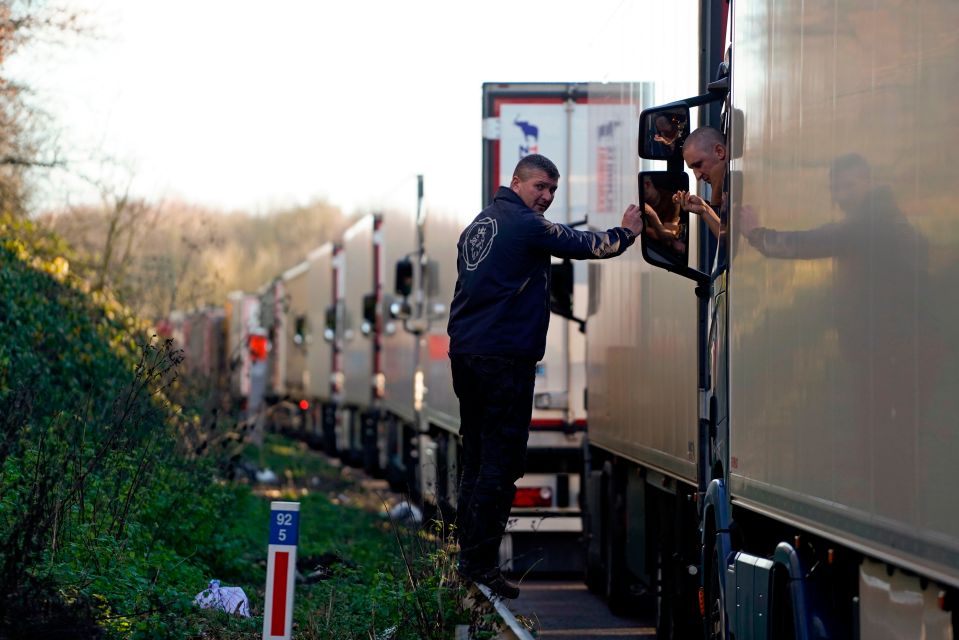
281	570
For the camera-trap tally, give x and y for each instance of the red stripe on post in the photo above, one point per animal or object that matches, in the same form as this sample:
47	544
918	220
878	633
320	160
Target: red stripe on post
280	569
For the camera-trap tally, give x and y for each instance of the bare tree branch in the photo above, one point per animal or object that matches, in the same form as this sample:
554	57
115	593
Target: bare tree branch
26	162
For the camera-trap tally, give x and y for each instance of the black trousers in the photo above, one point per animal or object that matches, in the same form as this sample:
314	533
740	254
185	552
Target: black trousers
496	404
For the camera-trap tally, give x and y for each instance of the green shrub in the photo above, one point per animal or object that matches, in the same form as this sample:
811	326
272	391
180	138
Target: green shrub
103	523
111	520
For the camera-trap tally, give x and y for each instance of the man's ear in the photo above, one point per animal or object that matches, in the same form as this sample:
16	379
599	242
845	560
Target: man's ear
514	182
720	151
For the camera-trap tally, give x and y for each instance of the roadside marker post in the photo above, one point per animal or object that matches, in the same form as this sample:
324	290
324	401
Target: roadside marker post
281	570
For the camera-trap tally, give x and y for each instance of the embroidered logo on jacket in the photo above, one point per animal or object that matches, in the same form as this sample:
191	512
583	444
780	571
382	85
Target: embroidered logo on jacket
478	242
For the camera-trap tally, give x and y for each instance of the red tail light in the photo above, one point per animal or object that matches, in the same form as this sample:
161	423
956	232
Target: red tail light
258	347
533	497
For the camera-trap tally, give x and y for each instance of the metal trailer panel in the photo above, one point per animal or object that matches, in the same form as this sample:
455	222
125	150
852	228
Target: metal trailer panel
273	322
519	118
234	340
243	315
296	333
843	368
641	330
551	119
216	347
319	350
440	232
398	231
202	342
193	330
177	321
357	355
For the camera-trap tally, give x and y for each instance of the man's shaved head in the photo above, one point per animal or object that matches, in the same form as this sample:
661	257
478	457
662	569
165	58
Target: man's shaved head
704	138
535	162
705	153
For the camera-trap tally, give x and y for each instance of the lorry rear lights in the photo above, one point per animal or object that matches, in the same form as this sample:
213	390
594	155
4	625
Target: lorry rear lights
533	497
258	347
379	385
419	390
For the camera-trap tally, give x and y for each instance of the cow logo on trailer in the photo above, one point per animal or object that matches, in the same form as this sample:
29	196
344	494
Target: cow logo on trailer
530	143
478	242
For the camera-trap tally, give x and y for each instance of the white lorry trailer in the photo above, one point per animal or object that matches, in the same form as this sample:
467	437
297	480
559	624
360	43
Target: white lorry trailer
377	360
801	488
320	382
545	526
290	409
358	336
396	411
245	350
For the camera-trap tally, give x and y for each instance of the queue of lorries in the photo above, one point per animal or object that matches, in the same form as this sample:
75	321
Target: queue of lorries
772	420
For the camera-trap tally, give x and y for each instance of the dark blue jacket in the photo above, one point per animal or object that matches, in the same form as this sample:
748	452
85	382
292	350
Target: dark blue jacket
501	300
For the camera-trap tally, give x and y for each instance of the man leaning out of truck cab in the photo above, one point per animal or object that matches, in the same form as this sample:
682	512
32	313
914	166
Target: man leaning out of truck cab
706	154
498	322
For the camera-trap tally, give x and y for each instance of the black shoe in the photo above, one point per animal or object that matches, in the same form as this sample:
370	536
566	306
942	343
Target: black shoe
495	581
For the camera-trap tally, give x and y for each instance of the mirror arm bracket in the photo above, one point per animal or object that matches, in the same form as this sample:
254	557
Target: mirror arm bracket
704	289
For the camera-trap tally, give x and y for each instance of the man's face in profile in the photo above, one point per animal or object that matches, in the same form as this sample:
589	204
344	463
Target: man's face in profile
708	164
536	190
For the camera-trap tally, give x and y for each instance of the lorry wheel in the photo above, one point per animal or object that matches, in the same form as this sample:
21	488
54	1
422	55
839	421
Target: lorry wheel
715	611
664	599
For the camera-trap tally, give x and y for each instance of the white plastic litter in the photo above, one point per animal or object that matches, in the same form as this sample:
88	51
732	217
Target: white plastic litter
406	512
229	599
266	476
387	634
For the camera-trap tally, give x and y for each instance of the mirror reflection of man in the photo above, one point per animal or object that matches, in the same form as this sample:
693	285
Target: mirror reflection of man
881	269
667	134
498	322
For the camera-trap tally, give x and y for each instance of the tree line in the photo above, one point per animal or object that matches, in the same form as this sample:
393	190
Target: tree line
155	256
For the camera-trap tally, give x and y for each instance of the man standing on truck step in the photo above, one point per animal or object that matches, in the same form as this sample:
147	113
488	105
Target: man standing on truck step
497	327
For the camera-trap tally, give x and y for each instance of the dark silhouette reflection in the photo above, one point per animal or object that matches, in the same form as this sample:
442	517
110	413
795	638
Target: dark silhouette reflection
881	279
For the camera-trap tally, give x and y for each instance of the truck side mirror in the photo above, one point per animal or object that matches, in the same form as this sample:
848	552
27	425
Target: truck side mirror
662	131
329	330
561	289
404	277
369	314
665	240
301	334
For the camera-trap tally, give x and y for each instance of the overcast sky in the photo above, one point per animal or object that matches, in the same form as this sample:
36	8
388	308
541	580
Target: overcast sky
249	105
